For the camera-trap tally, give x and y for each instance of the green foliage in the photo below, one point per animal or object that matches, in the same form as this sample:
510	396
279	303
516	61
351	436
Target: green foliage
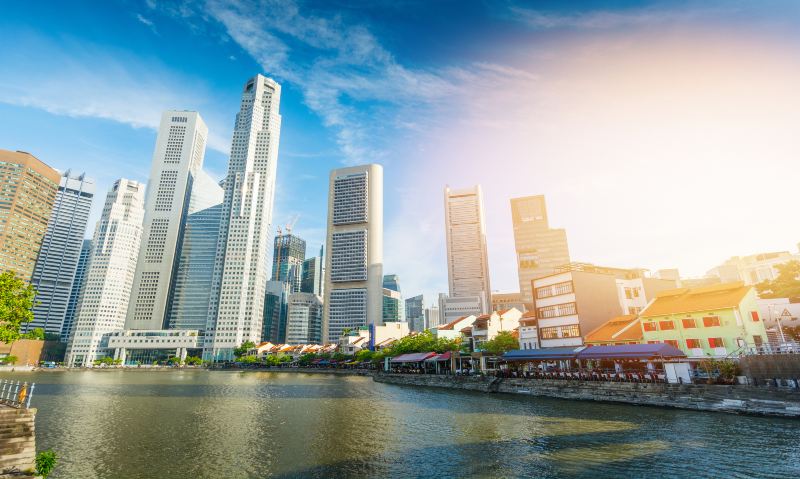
106	361
46	462
272	360
174	360
726	369
306	359
194	361
249	359
37	333
365	355
10	359
786	285
347	331
16	305
286	358
503	342
242	350
421	343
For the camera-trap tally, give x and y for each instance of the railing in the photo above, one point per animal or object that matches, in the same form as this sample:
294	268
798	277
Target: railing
16	394
788	347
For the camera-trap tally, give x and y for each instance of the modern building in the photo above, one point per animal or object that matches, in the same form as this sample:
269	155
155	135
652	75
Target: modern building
712	321
27	192
528	331
451	308
104	301
391	281
501	301
276	297
354	264
240	271
304	323
415	313
394	308
467	257
539	248
313	275
190	301
77	287
177	160
289	253
432	318
138	346
752	269
58	257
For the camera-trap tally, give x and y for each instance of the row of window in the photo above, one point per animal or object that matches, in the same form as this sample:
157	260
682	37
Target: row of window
694	343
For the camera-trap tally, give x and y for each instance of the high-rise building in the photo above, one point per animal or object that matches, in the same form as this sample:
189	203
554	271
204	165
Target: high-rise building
540	249
191	295
177	159
240	270
287	260
394	309
452	308
391	281
61	248
415	313
104	301
27	193
304	325
276	297
75	293
313	274
432	318
467	258
354	264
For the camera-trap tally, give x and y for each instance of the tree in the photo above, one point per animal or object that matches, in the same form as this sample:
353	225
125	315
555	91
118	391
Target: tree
174	360
36	333
249	359
347	331
786	285
10	359
46	462
365	355
242	350
504	341
194	361
16	305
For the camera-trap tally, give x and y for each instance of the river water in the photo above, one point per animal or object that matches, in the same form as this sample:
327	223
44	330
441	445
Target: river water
200	424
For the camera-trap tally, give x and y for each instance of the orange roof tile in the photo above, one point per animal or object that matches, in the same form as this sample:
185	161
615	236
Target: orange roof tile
451	324
706	298
621	328
529	314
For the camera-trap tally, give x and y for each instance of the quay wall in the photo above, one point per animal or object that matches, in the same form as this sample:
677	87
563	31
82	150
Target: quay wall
702	397
17	439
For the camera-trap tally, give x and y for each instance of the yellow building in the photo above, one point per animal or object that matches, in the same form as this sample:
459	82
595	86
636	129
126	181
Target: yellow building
27	192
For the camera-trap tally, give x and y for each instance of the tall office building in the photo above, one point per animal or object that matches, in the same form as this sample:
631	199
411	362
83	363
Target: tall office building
27	193
432	318
288	255
177	159
75	293
104	301
313	274
394	308
415	313
304	325
191	296
276	297
391	281
467	259
240	270
540	249
61	249
354	264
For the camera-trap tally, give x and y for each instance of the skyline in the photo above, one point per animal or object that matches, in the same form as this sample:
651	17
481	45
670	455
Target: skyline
557	97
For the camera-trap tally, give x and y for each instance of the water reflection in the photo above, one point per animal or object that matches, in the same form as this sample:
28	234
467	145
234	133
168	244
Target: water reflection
197	424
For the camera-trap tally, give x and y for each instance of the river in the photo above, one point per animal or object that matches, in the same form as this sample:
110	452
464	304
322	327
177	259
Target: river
200	424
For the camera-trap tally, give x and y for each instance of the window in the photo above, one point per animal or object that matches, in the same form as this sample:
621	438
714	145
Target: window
550	333
666	325
754	315
710	321
689	323
634	310
672	342
557	310
554	290
653	342
650	326
716	342
693	343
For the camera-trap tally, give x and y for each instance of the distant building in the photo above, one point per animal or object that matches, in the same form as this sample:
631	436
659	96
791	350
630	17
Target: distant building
58	257
467	257
432	317
354	263
528	331
501	301
452	330
451	308
109	278
394	308
276	299
288	256
313	275
391	281
27	193
752	269
539	248
415	313
77	287
304	323
487	326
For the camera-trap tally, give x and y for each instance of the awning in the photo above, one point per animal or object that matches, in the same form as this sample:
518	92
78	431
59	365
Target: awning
439	357
412	357
543	354
632	351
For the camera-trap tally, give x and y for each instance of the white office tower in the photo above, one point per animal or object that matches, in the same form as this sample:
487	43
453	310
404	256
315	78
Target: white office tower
242	263
77	288
60	251
191	292
304	319
467	259
354	264
109	277
177	159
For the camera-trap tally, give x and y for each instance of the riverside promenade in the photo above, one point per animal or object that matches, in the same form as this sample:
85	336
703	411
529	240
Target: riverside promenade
738	399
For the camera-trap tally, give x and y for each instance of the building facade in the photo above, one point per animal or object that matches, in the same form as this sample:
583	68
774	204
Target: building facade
539	248
289	253
415	313
354	264
304	323
27	192
391	281
467	257
451	308
313	275
103	305
432	317
752	269
528	331
242	262
58	258
276	297
177	159
394	308
501	301
77	287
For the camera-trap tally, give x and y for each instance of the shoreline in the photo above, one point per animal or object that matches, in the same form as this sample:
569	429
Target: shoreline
339	372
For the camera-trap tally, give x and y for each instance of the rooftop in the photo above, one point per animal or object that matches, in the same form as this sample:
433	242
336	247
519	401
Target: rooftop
620	329
689	300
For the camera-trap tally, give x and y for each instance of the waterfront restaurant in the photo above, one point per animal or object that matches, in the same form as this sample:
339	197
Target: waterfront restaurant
411	362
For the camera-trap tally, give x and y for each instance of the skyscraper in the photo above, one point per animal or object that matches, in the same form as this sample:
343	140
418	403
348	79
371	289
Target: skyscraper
177	159
75	293
354	264
61	248
540	249
109	278
304	325
288	255
313	273
467	259
27	192
391	281
190	301
415	313
274	317
394	309
240	270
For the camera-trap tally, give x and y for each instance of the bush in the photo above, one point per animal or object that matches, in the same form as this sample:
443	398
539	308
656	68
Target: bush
194	361
46	462
10	359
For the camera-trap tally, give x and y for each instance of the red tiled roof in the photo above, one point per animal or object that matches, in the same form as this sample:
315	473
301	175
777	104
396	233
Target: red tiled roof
622	328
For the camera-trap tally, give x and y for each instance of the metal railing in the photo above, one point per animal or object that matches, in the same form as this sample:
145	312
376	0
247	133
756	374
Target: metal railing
16	394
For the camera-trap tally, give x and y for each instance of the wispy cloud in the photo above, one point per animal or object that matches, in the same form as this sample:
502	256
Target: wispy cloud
148	22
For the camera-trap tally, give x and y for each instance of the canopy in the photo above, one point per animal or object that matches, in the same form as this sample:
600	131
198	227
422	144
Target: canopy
632	351
543	354
440	357
412	357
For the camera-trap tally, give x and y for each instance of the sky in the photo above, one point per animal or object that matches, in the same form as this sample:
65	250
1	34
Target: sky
663	134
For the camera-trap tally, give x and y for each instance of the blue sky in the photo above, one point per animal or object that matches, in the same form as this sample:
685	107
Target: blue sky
640	121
